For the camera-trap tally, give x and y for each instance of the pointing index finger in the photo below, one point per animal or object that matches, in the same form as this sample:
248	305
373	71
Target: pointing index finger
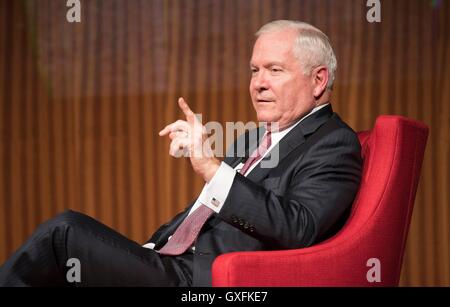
190	116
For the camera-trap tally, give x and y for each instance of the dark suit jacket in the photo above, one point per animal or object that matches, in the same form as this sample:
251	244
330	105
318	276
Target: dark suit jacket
295	204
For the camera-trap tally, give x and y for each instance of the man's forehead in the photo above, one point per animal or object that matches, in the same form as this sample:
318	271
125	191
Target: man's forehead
268	50
268	63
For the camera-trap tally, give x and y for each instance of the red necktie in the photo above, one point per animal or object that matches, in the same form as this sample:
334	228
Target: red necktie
189	229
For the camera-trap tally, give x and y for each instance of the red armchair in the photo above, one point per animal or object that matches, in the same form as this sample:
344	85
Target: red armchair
376	229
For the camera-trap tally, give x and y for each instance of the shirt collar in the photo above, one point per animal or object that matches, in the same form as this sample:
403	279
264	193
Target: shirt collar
278	135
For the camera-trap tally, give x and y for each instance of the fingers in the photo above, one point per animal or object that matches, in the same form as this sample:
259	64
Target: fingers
185	135
190	116
179	134
179	125
179	147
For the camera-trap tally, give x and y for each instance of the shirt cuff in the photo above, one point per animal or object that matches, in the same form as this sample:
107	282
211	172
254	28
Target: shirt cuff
216	191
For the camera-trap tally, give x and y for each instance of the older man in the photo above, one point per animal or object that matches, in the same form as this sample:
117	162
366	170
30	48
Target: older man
244	206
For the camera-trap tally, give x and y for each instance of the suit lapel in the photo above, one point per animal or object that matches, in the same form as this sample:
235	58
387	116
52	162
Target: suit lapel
244	146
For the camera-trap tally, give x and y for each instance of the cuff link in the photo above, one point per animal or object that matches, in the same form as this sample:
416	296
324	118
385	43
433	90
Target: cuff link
215	202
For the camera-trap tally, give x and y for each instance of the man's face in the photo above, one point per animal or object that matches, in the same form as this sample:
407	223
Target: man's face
280	91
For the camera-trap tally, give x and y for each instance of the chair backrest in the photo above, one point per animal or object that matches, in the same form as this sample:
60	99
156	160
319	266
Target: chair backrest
392	153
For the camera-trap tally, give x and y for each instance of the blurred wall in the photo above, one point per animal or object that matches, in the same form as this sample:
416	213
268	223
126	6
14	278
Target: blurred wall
81	103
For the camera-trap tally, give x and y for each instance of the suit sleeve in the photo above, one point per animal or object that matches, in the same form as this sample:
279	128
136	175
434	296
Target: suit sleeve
323	184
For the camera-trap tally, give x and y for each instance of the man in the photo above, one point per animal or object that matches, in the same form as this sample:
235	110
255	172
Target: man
244	206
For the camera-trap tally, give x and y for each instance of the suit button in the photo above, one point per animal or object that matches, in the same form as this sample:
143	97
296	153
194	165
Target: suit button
241	222
252	229
246	225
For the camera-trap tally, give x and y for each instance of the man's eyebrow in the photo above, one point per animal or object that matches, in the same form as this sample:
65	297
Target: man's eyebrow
274	63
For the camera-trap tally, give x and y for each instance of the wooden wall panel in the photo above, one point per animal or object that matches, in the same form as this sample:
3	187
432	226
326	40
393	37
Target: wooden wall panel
81	103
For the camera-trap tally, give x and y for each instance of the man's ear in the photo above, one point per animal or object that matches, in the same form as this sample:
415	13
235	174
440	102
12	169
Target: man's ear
320	80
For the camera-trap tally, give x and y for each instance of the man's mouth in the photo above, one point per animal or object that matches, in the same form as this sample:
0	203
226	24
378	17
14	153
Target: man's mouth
264	100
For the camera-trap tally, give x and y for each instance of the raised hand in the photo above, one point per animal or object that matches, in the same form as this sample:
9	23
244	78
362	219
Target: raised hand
189	139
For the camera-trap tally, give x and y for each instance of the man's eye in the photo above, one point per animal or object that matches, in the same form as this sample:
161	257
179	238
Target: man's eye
254	70
274	69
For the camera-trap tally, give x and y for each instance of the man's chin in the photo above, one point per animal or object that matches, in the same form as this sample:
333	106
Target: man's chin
266	118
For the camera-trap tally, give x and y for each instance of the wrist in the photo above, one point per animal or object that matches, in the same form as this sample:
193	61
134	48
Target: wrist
211	170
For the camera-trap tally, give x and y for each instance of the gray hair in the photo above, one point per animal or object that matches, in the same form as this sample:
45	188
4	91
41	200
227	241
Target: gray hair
312	47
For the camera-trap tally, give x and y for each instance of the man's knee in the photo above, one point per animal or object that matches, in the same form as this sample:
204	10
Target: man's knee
68	218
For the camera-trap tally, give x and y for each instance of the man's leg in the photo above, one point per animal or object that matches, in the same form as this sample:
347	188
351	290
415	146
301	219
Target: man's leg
106	258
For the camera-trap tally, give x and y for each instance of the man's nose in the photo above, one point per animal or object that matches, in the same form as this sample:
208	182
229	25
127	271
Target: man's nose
260	81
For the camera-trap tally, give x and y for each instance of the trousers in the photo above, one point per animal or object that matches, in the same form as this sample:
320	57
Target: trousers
73	249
